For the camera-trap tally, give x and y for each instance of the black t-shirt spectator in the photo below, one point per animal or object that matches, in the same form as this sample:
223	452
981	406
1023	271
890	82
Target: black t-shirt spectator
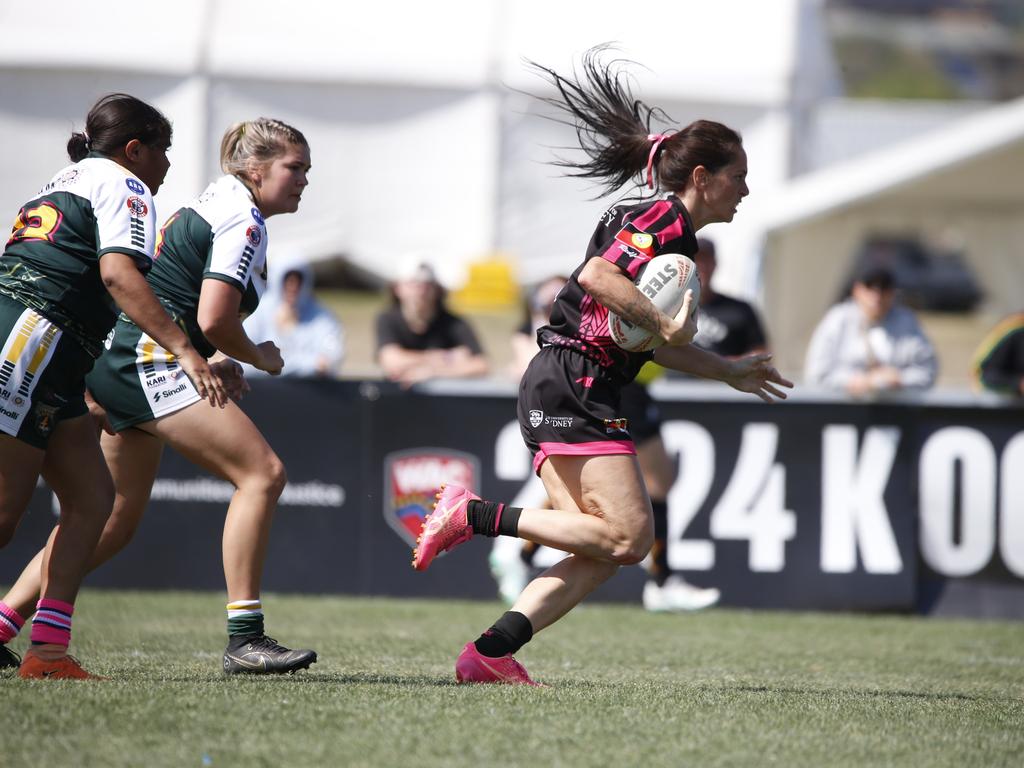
446	331
729	327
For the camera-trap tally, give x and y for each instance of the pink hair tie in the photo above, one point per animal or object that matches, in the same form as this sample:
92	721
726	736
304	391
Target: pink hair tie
657	138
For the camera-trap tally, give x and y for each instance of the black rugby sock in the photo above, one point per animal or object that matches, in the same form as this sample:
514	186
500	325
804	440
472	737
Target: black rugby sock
490	518
659	552
509	633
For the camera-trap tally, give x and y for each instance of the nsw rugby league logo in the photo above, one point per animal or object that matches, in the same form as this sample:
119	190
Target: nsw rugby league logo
412	477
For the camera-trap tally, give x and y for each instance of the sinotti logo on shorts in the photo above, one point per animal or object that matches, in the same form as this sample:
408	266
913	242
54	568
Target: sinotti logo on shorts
536	417
412	477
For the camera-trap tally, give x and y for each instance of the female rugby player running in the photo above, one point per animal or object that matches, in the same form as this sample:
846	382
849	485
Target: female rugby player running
210	270
569	409
78	247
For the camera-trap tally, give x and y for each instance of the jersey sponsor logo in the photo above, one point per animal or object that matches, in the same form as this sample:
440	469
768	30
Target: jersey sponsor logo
411	480
135	186
254	234
137	206
64	180
257	216
536	418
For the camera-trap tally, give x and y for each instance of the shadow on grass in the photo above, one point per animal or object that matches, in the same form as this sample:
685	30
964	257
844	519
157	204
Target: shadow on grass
850	692
318	678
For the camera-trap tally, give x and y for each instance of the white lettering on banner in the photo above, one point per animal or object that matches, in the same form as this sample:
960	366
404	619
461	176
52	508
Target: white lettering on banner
1011	505
696	464
432	471
949	454
853	513
753	505
209	490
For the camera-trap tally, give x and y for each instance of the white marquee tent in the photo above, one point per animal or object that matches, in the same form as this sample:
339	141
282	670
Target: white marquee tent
418	142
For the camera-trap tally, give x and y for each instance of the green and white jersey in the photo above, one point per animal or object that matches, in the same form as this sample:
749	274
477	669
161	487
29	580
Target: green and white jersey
51	261
221	235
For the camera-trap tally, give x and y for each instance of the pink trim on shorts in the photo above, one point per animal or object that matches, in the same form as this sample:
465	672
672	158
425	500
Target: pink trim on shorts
596	448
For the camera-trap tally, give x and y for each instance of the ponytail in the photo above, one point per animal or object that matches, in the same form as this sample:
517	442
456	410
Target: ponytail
614	129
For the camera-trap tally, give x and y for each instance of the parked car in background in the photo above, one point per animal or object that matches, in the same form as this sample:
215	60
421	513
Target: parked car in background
926	278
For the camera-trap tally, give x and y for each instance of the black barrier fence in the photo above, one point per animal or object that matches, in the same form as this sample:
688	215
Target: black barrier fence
807	504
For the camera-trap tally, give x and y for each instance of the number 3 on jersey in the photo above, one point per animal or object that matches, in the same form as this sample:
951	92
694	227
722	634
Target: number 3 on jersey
38	223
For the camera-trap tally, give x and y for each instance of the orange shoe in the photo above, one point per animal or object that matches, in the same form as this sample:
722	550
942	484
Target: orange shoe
66	667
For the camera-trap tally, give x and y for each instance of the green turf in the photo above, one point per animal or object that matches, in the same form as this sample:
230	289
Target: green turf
627	688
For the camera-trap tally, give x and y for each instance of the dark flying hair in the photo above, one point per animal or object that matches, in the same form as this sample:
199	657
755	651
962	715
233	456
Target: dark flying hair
116	119
613	127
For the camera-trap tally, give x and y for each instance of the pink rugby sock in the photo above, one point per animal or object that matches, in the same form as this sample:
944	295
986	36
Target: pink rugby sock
52	623
11	623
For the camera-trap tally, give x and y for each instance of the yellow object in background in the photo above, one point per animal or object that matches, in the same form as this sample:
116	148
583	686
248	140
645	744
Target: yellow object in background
491	285
649	372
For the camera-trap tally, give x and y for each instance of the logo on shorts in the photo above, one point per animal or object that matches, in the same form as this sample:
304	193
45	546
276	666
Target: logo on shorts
536	417
137	206
45	416
257	215
135	186
558	422
411	480
254	235
616	425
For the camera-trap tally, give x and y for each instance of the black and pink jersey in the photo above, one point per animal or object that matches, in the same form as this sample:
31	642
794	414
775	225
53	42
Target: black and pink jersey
628	236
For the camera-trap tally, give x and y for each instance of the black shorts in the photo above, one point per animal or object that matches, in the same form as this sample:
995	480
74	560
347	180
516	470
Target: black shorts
641	411
568	405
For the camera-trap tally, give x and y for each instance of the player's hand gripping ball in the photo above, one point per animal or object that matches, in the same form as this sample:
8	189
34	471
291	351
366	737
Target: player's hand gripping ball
664	280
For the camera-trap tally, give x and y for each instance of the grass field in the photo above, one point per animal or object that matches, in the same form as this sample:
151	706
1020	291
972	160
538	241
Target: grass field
728	688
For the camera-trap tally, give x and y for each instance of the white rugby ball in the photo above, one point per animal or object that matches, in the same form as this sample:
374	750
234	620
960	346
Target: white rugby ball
664	280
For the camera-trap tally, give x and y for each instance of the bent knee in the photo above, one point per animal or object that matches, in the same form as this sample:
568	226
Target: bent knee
269	477
632	550
277	475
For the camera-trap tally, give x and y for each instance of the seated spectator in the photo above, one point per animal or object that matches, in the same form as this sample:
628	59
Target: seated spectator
999	361
725	326
869	343
537	312
419	339
311	338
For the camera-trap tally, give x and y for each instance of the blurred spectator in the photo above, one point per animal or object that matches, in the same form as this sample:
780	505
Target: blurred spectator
418	338
536	314
870	343
725	326
999	361
311	338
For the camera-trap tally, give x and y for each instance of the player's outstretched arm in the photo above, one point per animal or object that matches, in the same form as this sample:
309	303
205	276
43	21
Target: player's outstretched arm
752	373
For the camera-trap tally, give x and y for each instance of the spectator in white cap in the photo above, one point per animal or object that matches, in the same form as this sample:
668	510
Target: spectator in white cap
418	338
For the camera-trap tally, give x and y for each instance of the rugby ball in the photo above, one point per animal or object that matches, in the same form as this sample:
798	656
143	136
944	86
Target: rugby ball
664	280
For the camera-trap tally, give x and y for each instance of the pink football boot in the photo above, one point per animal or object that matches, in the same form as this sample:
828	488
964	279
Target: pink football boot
473	667
445	527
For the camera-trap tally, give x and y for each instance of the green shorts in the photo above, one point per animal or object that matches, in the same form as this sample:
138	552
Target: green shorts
42	374
136	380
